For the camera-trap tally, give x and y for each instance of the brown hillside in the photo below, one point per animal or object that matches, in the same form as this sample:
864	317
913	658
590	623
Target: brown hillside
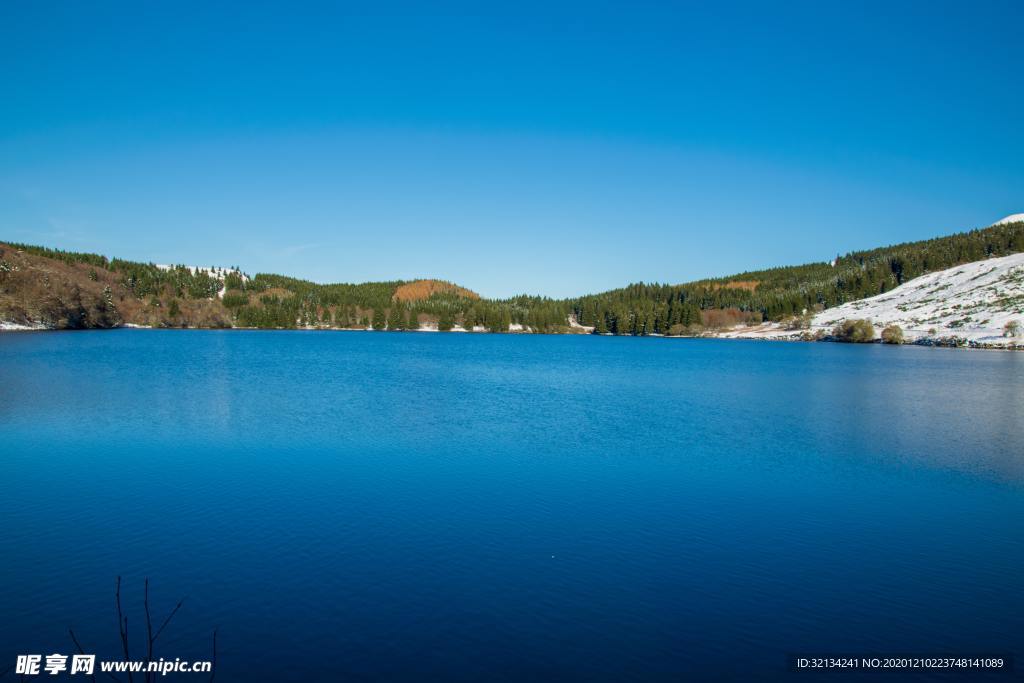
749	285
424	289
36	290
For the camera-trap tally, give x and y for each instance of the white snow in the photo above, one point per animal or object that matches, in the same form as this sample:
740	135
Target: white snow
972	302
574	324
16	327
432	327
772	331
1014	218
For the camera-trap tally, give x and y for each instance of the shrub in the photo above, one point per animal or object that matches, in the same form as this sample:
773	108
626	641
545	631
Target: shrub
798	322
680	330
893	334
721	318
1011	328
855	331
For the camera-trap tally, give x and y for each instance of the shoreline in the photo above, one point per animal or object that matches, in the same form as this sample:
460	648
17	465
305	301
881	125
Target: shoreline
946	342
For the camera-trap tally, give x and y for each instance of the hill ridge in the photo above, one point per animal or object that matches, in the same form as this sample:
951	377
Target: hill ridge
54	288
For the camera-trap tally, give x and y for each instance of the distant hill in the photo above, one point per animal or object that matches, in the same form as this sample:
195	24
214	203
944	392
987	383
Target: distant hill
789	291
42	287
54	289
40	292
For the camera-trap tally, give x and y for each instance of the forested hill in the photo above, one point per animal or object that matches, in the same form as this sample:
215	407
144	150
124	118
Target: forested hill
59	289
43	287
777	293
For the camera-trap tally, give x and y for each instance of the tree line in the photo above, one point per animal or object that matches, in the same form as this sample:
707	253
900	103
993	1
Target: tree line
277	301
778	293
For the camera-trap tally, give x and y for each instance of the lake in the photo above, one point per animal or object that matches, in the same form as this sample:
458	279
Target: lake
408	506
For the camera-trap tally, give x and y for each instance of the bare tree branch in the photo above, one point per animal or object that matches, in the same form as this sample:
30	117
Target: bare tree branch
122	628
213	662
122	625
81	651
149	632
168	619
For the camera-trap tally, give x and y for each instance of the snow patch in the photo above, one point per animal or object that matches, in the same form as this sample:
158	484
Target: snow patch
1013	218
18	327
574	324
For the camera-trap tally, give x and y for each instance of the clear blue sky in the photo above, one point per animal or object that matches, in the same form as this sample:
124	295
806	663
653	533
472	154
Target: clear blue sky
552	148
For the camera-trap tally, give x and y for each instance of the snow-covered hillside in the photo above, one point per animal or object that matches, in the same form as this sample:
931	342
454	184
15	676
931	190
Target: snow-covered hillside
966	304
973	301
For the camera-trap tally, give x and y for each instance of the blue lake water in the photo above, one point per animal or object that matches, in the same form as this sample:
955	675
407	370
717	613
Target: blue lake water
368	506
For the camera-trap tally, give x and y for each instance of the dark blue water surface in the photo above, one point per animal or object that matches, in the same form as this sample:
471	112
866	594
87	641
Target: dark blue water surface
480	507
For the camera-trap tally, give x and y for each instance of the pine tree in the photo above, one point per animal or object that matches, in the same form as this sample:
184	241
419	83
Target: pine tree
379	322
445	322
396	318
